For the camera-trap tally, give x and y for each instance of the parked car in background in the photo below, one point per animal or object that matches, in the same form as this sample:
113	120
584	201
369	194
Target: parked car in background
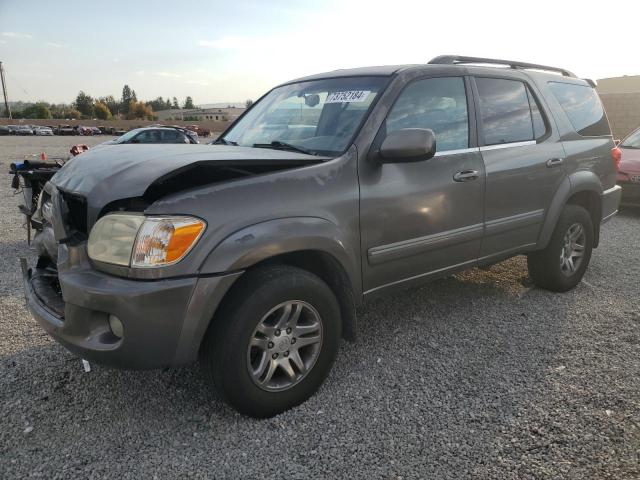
24	130
12	129
96	131
254	253
44	131
65	130
629	172
82	130
155	134
4	130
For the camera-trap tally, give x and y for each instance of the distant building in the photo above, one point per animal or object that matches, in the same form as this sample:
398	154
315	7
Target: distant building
621	99
227	114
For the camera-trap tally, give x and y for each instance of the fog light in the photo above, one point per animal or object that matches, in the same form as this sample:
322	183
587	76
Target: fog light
116	326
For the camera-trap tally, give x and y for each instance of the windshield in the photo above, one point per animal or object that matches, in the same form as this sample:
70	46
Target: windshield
319	116
632	141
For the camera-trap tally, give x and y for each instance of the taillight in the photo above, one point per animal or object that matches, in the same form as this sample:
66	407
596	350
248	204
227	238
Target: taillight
616	156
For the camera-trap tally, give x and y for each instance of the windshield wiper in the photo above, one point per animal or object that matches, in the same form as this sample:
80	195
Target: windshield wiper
278	145
224	142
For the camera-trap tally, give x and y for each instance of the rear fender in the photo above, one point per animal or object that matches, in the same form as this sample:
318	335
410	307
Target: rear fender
582	181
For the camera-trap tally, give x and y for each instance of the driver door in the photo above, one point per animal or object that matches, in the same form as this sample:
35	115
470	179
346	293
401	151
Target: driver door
423	219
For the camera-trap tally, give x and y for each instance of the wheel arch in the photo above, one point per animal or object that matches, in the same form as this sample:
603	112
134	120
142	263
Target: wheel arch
310	243
581	188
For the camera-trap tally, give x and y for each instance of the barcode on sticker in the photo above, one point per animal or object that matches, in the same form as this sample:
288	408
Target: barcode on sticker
354	96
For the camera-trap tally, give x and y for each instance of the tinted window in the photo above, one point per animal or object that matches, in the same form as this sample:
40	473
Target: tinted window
505	111
436	103
148	136
583	107
539	126
632	141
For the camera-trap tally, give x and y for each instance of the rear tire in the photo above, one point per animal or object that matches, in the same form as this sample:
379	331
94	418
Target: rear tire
561	265
274	340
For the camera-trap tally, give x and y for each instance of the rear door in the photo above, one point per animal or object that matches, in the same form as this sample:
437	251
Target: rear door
523	159
422	219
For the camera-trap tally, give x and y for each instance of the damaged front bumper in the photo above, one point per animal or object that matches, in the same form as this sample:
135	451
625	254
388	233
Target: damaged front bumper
163	321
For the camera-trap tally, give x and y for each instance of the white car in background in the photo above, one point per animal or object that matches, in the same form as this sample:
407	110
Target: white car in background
42	131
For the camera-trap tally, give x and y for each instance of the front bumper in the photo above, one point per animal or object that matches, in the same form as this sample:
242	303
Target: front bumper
630	194
164	321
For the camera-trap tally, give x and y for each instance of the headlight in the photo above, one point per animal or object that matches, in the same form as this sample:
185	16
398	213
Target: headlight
138	241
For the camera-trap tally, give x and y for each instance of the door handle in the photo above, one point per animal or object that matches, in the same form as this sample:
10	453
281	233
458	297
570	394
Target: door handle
554	162
465	176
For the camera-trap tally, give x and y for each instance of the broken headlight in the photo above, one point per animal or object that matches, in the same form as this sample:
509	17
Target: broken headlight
135	240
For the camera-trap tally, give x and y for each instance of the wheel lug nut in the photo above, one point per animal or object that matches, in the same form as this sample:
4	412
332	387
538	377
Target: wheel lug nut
277	333
293	340
289	330
270	344
274	356
286	354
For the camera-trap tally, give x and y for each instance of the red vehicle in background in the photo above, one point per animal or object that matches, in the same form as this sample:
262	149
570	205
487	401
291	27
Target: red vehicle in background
629	169
202	132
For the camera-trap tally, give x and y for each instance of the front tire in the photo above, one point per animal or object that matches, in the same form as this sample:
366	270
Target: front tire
274	340
561	265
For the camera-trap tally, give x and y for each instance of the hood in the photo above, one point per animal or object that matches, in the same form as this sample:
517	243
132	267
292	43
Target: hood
630	162
114	172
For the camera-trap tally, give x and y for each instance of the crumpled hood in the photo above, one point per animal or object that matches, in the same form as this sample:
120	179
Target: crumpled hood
114	172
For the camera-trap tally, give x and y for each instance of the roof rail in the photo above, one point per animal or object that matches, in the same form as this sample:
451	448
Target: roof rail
457	60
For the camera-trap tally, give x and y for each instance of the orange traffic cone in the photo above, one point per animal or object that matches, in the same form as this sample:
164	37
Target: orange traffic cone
43	156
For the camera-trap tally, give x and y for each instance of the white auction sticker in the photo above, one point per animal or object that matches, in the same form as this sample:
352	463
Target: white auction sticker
354	96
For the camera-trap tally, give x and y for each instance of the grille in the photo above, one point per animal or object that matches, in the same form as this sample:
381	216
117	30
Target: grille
77	206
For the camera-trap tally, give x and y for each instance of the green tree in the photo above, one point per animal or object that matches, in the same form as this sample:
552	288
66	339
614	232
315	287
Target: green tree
175	103
134	97
84	104
188	103
73	114
39	110
112	104
126	98
168	106
248	103
102	111
138	110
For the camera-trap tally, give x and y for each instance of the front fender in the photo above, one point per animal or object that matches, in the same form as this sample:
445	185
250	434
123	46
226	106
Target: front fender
264	240
580	181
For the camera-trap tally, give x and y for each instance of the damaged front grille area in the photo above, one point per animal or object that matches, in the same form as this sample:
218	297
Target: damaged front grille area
77	212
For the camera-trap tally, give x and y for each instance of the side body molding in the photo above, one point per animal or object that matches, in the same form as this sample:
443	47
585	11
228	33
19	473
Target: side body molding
580	181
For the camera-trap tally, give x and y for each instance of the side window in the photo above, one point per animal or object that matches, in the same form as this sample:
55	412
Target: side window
169	136
148	136
583	107
436	103
539	125
508	111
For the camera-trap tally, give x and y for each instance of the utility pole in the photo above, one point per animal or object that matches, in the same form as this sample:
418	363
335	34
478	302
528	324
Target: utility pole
4	91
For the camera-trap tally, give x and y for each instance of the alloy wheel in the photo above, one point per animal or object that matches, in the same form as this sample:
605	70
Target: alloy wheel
572	249
284	345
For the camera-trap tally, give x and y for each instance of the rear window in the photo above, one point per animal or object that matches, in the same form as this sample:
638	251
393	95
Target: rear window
583	107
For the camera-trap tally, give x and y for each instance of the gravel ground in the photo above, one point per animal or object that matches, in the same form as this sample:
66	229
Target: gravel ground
473	376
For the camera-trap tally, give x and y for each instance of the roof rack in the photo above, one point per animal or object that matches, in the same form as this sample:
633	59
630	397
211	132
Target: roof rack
458	60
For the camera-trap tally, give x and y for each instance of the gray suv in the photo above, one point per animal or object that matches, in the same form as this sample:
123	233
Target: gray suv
253	253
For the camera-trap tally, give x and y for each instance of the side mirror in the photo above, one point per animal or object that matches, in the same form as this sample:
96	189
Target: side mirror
408	145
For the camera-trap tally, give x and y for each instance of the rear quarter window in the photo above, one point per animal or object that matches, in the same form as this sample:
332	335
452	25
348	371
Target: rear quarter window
583	108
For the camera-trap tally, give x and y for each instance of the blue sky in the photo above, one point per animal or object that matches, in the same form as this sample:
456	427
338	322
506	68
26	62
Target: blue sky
234	50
